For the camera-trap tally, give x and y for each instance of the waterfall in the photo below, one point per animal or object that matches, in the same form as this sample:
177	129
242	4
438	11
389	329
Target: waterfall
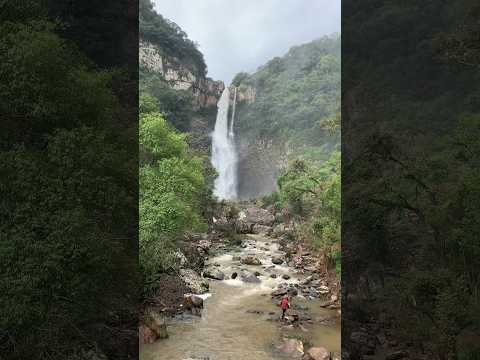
231	134
224	157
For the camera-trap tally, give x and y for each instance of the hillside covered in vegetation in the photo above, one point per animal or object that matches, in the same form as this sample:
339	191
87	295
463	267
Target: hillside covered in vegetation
293	113
410	178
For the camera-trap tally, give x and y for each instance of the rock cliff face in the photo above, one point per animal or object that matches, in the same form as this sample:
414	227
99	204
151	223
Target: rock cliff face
245	93
206	91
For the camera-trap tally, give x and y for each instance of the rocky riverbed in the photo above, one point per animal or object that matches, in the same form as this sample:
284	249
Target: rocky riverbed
225	305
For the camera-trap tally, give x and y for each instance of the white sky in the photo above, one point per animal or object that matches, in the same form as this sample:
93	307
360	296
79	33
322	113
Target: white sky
241	35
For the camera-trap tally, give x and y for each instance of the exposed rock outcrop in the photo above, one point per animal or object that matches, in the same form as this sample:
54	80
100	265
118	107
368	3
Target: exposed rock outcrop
180	76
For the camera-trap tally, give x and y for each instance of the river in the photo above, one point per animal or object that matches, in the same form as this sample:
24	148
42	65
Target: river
239	319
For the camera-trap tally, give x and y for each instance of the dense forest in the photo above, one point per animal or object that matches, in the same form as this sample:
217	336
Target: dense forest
68	182
297	98
175	178
410	177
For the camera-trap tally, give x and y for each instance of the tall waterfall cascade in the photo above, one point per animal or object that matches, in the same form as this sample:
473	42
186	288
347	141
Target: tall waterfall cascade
232	121
224	155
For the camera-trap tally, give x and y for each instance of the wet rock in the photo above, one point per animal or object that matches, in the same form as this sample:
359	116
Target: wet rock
192	300
292	317
292	348
292	291
318	353
156	323
257	273
258	312
397	355
251	260
234	275
273	276
262	229
285	276
147	335
249	277
193	280
277	260
213	273
279	292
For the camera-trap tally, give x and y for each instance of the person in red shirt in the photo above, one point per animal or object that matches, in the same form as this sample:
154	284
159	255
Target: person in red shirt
284	304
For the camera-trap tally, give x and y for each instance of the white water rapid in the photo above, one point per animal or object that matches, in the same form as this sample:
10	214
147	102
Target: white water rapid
224	156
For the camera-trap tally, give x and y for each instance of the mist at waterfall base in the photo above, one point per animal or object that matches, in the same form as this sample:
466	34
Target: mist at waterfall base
224	155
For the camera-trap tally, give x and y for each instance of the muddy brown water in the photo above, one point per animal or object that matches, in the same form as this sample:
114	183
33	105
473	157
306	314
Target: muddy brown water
229	329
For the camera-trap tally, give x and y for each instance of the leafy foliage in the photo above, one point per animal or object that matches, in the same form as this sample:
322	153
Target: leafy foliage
295	96
173	193
410	175
68	187
312	193
169	38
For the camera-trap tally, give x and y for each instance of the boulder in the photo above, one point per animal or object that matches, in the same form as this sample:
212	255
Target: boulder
261	229
147	335
279	292
285	276
249	277
213	273
190	300
255	215
156	323
193	281
251	260
242	227
234	275
277	260
318	353
292	348
273	276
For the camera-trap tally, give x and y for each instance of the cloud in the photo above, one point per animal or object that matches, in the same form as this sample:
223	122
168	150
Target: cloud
241	35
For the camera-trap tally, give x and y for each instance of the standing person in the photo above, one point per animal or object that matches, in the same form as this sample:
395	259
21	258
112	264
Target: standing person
284	304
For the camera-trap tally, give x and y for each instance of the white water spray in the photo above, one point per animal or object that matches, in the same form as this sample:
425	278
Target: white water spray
232	121
224	156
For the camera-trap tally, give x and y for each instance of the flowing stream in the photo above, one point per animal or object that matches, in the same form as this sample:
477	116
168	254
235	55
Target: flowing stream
239	319
224	156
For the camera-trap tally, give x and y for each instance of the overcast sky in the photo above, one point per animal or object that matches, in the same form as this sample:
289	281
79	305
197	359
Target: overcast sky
241	35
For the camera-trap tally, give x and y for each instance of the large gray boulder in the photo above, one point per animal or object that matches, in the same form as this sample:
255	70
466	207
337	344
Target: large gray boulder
255	215
193	280
213	273
249	277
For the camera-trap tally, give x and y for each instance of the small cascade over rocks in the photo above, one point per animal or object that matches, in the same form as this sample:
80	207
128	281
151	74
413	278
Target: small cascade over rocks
224	155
